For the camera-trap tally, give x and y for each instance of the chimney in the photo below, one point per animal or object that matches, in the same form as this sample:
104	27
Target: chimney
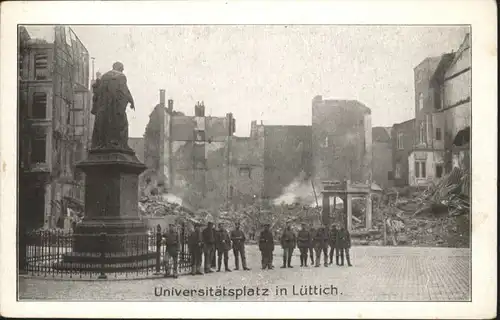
162	97
170	105
253	128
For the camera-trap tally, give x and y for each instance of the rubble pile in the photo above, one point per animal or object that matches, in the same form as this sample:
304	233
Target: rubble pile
438	215
157	206
433	231
450	194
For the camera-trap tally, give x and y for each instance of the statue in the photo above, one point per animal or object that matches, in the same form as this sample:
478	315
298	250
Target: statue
110	99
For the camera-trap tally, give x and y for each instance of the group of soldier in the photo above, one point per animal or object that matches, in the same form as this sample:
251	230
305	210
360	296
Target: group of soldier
205	245
213	245
310	242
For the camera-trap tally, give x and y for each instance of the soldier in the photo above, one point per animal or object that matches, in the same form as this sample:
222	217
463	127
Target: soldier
208	246
332	237
312	232
288	243
238	240
304	243
266	247
321	245
172	242
343	243
222	244
195	243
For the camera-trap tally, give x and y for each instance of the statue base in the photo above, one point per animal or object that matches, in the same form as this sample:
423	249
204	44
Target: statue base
111	225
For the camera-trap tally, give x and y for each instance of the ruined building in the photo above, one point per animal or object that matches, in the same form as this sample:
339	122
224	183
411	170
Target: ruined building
198	159
189	155
55	124
342	140
382	156
438	137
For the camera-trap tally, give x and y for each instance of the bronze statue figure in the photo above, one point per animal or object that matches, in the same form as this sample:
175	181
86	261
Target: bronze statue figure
110	99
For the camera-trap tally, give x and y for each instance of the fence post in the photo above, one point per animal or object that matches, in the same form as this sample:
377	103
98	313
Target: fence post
23	246
102	240
158	249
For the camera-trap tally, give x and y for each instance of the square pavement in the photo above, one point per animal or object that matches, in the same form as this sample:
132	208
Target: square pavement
377	274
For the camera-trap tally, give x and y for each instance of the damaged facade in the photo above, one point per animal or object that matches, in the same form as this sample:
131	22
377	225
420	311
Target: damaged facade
342	140
403	138
441	127
189	155
198	158
55	123
382	156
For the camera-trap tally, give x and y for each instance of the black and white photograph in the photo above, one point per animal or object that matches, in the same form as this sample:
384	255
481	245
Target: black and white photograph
248	162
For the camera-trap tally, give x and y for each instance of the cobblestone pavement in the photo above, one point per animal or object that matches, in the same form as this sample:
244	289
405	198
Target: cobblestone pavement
378	274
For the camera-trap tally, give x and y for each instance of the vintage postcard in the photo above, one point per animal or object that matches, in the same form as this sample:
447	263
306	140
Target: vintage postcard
240	153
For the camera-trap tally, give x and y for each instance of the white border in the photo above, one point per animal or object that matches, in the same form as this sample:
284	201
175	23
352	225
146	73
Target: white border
480	14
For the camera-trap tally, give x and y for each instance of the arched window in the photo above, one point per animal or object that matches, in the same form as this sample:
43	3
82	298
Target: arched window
420	102
422	133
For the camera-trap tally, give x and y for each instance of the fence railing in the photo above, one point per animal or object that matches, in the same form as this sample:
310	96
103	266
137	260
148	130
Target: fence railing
50	253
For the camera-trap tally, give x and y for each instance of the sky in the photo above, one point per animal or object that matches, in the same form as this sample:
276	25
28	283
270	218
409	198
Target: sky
268	73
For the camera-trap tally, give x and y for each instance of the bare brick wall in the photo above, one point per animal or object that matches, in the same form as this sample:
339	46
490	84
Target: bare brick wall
341	140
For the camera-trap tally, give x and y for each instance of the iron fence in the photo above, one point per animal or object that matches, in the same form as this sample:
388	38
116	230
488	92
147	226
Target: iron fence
51	253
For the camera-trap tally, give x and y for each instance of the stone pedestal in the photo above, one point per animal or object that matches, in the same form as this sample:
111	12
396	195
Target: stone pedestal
111	224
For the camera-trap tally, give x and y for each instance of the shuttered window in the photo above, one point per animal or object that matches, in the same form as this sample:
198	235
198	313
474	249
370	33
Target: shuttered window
39	106
38	154
41	66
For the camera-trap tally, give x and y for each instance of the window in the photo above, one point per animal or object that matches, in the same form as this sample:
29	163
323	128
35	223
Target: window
400	140
422	133
231	190
438	134
41	67
428	133
398	171
21	66
325	143
439	170
390	175
245	171
39	106
420	169
200	135
38	153
420	105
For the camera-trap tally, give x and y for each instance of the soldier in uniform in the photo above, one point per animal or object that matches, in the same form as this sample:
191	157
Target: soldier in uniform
288	242
222	244
195	243
304	243
332	237
238	240
172	243
266	247
321	245
312	232
343	245
208	246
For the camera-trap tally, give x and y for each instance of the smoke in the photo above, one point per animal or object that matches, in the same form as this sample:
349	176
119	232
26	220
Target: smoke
299	190
171	198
